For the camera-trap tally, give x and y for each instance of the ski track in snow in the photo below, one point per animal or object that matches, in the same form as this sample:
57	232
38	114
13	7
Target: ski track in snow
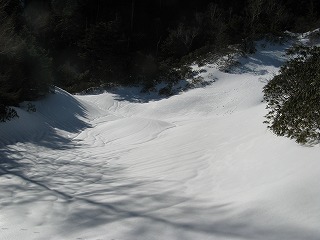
198	165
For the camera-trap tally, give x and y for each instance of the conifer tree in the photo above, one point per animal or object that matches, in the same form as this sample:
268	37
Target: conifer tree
293	96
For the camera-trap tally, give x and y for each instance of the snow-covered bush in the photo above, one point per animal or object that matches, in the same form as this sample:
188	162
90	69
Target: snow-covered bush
293	96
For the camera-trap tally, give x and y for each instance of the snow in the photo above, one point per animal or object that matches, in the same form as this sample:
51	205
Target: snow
197	165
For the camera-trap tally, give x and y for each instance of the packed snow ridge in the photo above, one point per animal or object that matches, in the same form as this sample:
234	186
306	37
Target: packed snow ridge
198	165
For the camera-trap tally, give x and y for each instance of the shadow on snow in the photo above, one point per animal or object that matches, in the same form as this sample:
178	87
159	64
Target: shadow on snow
42	129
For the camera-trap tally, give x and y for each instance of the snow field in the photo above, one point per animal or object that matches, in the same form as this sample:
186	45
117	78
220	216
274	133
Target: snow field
198	165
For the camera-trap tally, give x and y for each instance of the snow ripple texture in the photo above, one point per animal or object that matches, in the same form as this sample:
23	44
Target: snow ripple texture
198	165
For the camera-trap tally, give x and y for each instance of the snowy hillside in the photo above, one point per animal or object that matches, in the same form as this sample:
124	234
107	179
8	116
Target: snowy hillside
198	165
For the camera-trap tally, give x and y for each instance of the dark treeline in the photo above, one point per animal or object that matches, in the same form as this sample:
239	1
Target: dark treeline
77	44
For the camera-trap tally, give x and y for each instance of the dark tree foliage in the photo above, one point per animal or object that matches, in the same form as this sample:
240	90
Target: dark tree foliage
25	72
293	96
130	41
79	44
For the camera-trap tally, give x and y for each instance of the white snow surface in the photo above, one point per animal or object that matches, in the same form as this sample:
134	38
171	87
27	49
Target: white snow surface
198	165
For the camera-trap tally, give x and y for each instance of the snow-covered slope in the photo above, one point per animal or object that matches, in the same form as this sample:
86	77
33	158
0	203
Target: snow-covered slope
198	165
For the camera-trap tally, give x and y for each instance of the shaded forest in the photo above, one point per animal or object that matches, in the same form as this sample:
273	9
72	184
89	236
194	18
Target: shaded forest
77	44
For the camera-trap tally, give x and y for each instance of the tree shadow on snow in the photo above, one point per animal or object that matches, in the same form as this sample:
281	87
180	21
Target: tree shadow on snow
154	209
90	195
31	132
267	55
139	94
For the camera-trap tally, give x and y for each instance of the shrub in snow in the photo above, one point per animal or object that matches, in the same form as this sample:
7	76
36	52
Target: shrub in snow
31	107
7	113
293	96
